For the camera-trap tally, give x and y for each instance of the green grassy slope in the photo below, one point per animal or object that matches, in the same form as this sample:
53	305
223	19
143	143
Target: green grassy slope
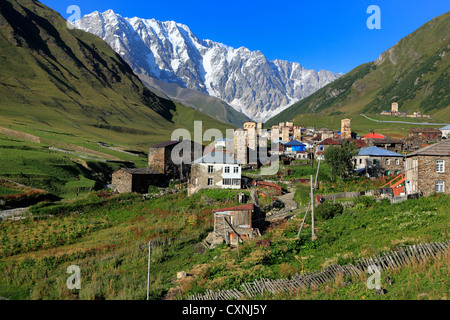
414	73
211	106
72	86
104	241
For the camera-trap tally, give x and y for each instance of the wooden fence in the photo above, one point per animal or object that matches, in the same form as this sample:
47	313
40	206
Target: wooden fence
385	262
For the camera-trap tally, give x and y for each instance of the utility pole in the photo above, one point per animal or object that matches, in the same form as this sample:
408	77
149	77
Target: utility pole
148	272
313	236
317	175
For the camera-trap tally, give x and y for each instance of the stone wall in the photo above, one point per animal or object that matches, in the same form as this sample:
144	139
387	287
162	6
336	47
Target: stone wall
427	175
122	181
156	159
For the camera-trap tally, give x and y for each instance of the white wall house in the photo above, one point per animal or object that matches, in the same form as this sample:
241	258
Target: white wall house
215	170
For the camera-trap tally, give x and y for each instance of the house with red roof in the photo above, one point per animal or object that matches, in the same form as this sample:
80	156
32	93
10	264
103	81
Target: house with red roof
323	145
374	135
234	224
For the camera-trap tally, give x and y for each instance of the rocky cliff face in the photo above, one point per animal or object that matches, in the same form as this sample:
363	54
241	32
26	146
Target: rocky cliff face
170	52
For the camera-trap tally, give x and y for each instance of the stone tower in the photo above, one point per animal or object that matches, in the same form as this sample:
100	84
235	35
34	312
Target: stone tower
275	134
394	108
285	134
297	133
240	146
346	130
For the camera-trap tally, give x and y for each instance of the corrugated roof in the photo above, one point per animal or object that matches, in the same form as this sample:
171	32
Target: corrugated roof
248	206
447	127
437	149
295	143
378	152
374	135
329	141
216	157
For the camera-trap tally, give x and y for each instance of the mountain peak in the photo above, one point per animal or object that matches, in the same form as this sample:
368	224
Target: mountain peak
170	52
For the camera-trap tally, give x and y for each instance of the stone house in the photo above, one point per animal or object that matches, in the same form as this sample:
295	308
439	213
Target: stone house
377	162
323	145
422	136
135	180
214	170
394	145
174	157
427	170
235	224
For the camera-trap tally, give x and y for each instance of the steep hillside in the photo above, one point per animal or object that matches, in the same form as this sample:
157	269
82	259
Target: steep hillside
70	85
414	73
209	105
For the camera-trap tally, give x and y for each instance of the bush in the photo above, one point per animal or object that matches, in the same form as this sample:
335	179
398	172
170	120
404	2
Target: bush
328	210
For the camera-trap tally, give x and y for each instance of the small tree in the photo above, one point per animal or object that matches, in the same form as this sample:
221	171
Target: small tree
340	160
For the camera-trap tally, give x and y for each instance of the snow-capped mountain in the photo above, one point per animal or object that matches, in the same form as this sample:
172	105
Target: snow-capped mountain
170	52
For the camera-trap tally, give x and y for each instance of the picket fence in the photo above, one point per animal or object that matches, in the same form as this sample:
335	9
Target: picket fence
392	260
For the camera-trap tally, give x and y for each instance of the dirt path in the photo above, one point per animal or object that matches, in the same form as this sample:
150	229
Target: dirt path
289	206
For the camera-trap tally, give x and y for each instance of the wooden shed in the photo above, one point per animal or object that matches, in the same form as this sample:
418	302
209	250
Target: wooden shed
235	224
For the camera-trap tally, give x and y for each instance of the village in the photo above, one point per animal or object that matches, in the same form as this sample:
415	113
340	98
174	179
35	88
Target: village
405	169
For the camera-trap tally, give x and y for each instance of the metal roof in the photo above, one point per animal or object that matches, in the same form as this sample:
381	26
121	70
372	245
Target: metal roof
437	149
294	143
216	157
447	127
378	152
374	135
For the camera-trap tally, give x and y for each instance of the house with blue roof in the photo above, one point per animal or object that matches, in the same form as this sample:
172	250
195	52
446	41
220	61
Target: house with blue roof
377	162
296	149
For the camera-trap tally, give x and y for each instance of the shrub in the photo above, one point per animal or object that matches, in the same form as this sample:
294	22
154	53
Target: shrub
328	210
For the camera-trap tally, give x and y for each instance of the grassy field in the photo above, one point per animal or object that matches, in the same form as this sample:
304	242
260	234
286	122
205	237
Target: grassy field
357	232
103	236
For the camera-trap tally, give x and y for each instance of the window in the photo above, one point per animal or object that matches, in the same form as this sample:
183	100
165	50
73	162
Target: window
397	162
236	182
440	187
236	170
227	169
210	169
375	161
210	181
388	162
440	166
226	182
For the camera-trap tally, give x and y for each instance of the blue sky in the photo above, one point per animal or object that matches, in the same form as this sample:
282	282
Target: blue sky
330	35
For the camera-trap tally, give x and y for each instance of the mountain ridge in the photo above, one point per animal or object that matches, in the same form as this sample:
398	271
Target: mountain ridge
414	73
59	80
170	52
